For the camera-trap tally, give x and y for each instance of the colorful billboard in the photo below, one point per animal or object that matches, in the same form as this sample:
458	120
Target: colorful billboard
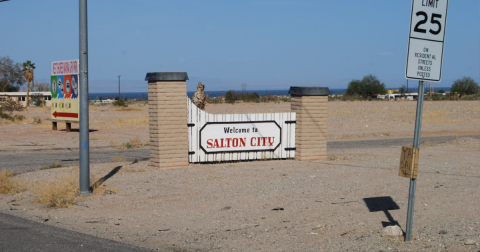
64	86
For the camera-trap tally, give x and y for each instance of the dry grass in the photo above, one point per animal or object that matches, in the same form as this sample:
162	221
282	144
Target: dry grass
112	144
130	169
98	188
427	144
8	184
47	125
128	109
332	157
52	166
60	192
435	113
136	142
368	135
136	121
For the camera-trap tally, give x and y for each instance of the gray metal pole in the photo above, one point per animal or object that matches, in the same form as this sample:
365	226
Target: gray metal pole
416	144
84	139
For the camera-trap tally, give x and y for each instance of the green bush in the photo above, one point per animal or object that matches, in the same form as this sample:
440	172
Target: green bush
367	87
120	103
230	97
465	86
345	97
213	100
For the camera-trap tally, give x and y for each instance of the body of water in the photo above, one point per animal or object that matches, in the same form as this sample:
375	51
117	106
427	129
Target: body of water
144	95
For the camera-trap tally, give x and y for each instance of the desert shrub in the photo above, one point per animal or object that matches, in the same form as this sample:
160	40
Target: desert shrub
37	119
4	116
18	118
120	102
473	97
345	97
38	101
230	97
213	100
10	106
248	97
434	97
8	184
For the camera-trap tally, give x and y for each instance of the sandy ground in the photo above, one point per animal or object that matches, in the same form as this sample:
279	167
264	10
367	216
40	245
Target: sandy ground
113	127
321	206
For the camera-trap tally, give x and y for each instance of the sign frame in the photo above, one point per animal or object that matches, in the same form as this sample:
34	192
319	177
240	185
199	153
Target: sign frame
426	40
242	150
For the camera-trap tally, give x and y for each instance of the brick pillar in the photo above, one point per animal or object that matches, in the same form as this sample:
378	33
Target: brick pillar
310	105
167	113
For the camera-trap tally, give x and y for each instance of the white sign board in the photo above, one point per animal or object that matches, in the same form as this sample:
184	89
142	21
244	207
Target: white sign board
216	137
427	36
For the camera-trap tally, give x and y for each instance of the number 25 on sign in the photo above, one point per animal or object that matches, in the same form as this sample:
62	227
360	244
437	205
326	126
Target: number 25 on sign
426	40
409	162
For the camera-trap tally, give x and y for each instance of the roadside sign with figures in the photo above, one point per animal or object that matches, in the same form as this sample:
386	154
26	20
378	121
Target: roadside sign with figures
64	86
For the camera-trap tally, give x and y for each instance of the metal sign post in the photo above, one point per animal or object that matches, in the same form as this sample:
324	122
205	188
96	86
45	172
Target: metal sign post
84	139
416	144
428	21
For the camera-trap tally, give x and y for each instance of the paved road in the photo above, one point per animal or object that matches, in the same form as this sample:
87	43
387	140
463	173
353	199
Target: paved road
33	160
385	143
17	234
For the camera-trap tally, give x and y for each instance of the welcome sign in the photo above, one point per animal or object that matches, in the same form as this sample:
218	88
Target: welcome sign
217	137
64	86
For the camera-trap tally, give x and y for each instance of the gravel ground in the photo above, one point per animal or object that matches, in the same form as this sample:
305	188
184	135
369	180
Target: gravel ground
341	204
320	206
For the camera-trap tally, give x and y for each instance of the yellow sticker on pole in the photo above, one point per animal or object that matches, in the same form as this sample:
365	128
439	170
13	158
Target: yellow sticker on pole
409	162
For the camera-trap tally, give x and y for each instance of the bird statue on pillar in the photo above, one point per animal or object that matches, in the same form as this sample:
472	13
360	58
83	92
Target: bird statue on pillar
199	97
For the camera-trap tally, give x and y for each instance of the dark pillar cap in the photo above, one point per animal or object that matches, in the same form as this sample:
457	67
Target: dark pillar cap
167	76
309	91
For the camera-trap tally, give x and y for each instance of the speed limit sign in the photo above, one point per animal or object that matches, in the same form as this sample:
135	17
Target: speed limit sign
425	43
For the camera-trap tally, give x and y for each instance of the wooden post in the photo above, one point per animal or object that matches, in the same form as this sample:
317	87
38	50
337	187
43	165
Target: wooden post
54	125
310	104
68	127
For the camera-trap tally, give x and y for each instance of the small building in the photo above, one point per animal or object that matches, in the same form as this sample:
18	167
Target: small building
22	97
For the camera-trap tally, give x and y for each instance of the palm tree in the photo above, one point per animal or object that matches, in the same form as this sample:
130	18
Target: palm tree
28	69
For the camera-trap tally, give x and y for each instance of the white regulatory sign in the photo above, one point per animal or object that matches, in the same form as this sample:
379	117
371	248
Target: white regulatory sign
425	42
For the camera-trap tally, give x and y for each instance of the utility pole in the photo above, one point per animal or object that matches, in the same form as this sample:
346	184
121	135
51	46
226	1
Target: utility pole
84	126
119	97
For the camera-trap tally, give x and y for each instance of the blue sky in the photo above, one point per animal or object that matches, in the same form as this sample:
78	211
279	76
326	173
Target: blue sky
265	44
